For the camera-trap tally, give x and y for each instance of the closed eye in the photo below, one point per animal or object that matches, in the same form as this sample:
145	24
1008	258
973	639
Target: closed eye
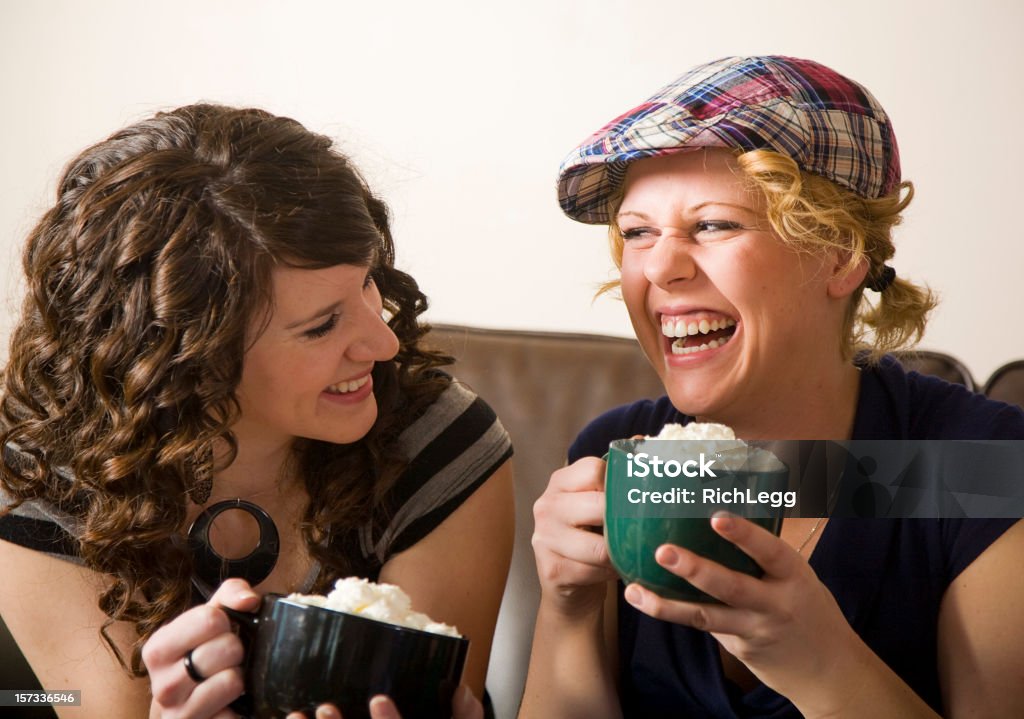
717	226
636	233
702	227
322	330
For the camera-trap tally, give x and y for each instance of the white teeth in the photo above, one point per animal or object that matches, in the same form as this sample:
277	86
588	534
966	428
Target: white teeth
678	349
681	328
346	387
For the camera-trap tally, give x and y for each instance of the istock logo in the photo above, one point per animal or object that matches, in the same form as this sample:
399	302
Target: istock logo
642	465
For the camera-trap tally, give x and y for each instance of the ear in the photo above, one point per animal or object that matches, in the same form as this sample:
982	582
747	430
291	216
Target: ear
844	280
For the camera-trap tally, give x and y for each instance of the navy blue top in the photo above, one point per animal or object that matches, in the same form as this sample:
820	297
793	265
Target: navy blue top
888	576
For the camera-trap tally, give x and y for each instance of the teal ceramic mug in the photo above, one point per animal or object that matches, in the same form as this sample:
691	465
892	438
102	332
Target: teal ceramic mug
665	491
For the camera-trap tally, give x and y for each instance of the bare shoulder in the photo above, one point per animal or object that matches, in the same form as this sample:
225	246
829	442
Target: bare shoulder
50	608
981	633
472	544
457	573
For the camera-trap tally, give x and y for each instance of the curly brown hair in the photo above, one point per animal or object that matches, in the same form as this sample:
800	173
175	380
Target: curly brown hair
142	280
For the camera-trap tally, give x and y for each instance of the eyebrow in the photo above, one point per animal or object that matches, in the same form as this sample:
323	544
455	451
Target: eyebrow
695	208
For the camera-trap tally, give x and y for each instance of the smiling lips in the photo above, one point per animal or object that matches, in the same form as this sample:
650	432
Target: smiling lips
697	334
348	387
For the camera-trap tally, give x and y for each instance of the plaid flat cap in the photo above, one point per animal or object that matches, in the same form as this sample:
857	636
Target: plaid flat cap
828	124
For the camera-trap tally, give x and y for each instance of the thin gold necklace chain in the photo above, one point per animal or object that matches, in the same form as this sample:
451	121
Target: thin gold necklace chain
810	534
828	508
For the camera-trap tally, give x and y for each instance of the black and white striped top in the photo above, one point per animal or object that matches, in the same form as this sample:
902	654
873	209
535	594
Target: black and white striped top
453	447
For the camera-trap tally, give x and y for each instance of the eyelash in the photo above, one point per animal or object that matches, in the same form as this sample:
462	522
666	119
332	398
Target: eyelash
634	233
718	225
701	226
332	321
322	330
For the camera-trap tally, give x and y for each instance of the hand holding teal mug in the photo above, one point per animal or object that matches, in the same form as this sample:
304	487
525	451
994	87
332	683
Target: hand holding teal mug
665	491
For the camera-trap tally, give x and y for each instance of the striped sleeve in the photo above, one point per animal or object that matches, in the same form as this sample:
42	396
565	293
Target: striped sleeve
454	447
36	524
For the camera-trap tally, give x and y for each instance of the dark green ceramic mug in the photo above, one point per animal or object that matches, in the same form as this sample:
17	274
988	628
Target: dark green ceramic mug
665	491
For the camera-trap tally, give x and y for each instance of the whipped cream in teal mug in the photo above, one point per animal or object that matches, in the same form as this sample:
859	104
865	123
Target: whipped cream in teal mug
664	490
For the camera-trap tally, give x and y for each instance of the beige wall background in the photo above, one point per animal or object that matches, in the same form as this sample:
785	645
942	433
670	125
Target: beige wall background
459	113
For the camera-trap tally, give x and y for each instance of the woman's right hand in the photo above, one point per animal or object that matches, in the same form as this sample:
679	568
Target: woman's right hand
464	706
570	549
216	654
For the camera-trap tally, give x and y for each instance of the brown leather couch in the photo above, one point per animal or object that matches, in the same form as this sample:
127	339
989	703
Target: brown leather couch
1007	383
546	387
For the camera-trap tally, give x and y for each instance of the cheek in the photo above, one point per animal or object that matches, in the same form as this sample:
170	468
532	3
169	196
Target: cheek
750	280
634	289
278	375
633	285
260	390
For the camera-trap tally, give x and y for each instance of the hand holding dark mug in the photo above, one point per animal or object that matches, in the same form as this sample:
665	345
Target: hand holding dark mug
194	661
300	656
464	706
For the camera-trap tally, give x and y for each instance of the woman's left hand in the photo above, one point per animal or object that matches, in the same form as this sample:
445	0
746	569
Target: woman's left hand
464	706
785	627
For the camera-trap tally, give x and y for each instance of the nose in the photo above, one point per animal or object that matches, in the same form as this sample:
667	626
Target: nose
375	342
670	260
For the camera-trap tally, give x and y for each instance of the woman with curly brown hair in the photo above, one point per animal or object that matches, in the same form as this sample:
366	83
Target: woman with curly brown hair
213	314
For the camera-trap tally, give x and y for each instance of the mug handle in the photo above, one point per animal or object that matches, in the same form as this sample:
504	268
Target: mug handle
248	624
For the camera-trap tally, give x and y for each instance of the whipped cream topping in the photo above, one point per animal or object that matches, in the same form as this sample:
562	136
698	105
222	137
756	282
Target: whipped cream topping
712	438
383	602
696	430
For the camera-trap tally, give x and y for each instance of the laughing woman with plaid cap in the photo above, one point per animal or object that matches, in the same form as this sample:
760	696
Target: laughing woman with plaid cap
750	206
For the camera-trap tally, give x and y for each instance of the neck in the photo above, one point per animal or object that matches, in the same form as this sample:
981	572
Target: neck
822	406
260	470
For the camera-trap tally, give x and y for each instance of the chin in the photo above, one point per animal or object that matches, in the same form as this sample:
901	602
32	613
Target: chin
691	401
346	431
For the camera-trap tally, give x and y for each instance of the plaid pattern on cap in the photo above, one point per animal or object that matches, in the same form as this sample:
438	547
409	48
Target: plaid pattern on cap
828	124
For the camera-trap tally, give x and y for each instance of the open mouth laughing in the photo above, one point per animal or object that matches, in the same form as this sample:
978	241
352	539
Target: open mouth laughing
348	387
692	334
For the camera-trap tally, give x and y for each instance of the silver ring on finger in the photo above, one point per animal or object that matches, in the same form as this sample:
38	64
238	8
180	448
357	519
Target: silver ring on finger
191	670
